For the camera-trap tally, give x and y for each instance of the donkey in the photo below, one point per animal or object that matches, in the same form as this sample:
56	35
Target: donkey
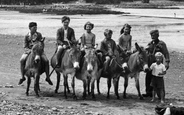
90	71
137	62
69	65
114	70
35	66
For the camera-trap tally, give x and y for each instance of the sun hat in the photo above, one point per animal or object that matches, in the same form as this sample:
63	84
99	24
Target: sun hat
89	23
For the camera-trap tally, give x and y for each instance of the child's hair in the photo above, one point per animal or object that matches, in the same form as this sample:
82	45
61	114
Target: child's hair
108	31
158	54
125	25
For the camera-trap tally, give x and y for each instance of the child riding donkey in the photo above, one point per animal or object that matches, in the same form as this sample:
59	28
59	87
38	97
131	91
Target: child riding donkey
30	39
65	38
87	41
125	44
108	47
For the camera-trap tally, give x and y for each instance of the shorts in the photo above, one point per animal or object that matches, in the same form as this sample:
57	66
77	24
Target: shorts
157	82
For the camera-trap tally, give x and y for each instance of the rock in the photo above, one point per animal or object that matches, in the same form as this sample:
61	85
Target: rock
88	112
70	107
54	109
84	104
19	113
27	113
8	86
4	102
49	110
96	113
2	93
61	107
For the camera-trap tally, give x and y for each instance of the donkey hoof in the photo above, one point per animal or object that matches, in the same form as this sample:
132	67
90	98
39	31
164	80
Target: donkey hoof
69	92
141	98
93	97
99	93
124	96
27	94
56	91
75	97
83	97
108	97
118	97
37	95
66	97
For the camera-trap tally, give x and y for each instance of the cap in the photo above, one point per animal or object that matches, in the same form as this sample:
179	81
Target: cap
154	32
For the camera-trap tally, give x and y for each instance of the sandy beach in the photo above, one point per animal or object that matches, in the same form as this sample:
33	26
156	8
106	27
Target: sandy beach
14	100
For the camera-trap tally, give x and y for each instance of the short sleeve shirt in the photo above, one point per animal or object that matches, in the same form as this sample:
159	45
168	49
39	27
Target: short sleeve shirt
156	69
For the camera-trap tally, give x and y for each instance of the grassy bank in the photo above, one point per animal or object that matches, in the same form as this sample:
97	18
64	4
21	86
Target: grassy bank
63	9
91	8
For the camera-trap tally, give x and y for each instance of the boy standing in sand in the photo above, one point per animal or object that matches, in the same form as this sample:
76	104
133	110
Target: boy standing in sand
158	72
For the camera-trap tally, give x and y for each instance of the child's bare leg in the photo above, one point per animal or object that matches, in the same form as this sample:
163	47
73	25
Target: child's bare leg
162	95
153	95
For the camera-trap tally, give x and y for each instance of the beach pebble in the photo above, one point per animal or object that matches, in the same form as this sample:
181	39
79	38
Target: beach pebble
8	86
54	109
70	107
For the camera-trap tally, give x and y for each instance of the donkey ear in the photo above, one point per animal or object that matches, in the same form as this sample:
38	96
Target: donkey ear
137	47
43	39
96	46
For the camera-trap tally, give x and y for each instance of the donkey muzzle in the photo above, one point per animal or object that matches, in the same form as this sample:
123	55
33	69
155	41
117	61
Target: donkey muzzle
89	68
37	59
145	68
76	65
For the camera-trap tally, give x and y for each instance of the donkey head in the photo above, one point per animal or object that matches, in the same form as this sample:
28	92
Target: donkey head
142	57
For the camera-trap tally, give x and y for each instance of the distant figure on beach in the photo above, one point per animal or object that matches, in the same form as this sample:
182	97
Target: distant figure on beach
30	39
65	37
175	15
153	47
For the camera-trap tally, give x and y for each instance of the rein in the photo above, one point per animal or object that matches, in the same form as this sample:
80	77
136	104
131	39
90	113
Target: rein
117	63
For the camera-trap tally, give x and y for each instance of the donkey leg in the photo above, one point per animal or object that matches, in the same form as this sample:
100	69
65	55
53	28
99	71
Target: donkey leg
58	81
36	84
88	85
125	86
47	70
109	86
73	87
98	87
138	87
65	85
93	88
116	84
28	85
84	86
